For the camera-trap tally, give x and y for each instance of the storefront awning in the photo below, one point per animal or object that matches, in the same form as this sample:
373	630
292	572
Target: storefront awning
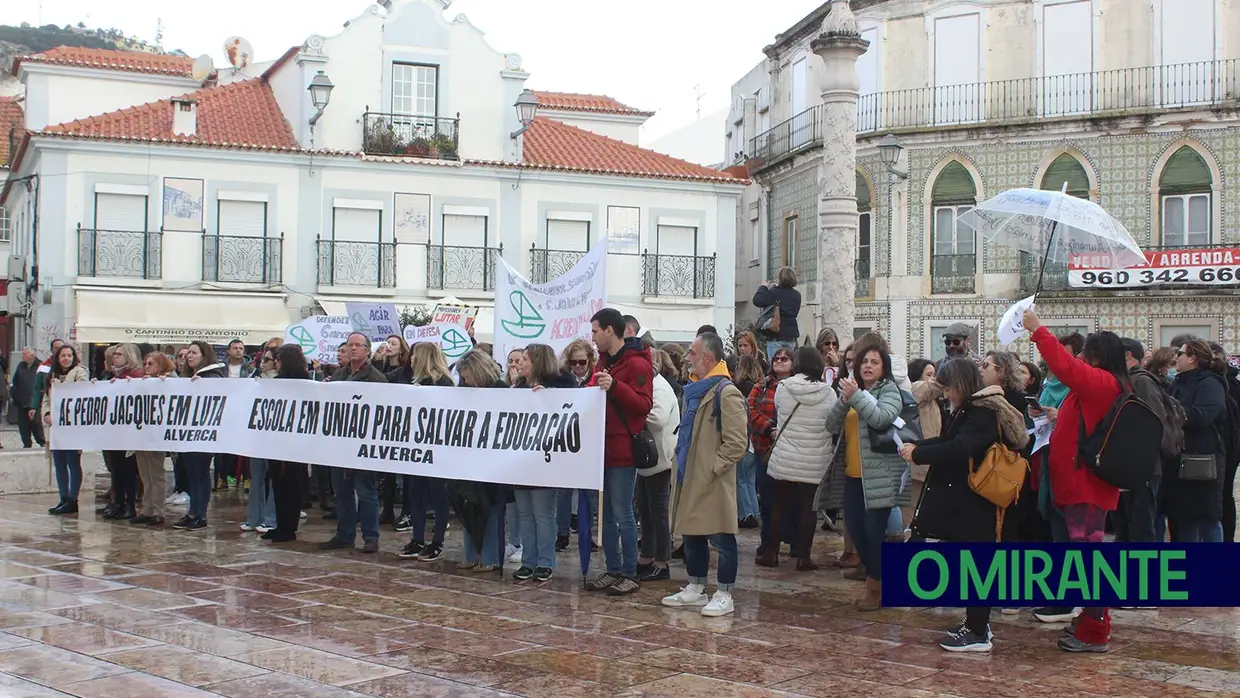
106	316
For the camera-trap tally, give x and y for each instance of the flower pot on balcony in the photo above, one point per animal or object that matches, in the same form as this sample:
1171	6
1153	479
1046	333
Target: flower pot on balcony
445	145
418	147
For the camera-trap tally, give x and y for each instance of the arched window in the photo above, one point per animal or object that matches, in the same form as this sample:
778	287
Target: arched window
953	260
1066	169
1185	187
865	239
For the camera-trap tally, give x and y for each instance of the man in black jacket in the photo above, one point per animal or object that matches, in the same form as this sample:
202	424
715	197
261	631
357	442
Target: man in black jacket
24	375
1134	520
357	493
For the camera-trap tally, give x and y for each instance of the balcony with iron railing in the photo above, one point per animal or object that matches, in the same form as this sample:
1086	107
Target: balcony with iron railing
242	259
678	276
411	135
547	264
120	253
1083	95
460	268
1055	278
352	263
956	273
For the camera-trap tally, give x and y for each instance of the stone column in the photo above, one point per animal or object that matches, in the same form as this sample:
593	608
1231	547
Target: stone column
839	46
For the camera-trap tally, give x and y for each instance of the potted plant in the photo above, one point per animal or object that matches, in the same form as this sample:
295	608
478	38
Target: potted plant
381	139
445	145
418	147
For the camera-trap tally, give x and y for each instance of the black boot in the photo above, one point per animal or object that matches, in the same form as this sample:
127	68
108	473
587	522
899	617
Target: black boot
59	508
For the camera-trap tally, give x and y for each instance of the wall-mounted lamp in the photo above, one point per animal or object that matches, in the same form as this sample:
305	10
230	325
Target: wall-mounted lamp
527	108
889	149
320	90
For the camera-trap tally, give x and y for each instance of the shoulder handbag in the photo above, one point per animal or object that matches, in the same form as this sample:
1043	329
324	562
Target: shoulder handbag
645	453
780	432
768	320
998	478
1198	467
907	424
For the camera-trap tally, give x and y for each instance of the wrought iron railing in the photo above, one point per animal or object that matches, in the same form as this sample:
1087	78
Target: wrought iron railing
684	276
462	268
862	274
349	263
123	253
955	273
801	131
1176	86
409	134
242	259
546	264
1054	279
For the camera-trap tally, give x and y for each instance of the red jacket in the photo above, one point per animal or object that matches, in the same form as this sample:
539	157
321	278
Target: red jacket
1093	392
762	414
632	389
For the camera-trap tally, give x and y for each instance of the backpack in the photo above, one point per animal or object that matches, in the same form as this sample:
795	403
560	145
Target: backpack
1173	419
1118	449
998	479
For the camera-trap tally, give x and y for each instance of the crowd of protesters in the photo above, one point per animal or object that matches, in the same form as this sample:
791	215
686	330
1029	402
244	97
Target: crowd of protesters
704	440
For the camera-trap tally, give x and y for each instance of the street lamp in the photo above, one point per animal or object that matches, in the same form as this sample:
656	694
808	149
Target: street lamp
889	149
320	90
527	107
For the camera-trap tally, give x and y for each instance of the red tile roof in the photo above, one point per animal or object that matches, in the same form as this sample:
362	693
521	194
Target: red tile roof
242	114
112	59
598	104
554	145
11	120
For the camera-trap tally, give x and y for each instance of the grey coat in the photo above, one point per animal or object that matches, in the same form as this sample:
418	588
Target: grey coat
881	473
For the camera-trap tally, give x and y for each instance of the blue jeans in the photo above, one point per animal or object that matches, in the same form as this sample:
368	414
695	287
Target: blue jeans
491	549
198	474
357	496
773	346
261	510
1198	531
746	486
619	523
536	516
427	492
697	558
565	499
68	474
513	527
868	527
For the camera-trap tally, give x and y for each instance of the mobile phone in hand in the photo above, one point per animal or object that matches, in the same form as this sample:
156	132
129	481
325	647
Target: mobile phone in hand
1033	402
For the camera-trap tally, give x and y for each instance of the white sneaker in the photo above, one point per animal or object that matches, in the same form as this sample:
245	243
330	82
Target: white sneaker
181	499
720	604
691	596
263	529
245	527
304	516
514	553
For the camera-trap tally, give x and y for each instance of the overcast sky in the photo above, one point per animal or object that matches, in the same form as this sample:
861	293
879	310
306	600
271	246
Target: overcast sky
646	53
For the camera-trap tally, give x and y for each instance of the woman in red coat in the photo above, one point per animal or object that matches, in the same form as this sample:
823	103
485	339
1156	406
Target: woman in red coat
1094	381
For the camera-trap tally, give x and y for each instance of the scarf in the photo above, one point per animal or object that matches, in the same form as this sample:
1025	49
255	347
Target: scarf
694	392
1053	393
1012	430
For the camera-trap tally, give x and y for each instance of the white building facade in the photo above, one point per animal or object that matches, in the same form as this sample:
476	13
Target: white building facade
1131	103
172	208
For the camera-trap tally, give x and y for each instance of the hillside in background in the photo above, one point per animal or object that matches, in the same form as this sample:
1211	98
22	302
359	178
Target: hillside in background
27	39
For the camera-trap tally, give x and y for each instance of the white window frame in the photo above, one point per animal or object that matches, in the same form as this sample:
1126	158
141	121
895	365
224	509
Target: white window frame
1188	239
412	79
934	231
6	226
791	225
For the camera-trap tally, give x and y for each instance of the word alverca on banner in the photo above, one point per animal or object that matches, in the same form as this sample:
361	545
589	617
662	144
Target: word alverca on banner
549	438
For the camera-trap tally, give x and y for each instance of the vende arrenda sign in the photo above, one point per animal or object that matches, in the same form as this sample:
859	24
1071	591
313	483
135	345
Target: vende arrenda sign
1184	267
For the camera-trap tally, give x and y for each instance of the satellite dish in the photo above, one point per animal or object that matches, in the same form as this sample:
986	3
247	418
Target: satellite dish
239	52
203	67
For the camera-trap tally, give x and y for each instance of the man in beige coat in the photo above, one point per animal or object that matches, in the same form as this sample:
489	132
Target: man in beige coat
712	439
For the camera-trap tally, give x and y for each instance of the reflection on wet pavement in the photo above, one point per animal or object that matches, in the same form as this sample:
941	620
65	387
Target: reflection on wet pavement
90	607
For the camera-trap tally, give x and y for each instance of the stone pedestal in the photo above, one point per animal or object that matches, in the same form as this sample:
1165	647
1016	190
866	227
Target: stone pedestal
30	471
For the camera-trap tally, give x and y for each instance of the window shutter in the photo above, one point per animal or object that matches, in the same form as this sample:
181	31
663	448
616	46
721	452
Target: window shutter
863	194
1067	169
355	224
954	186
569	236
120	212
1186	173
464	231
243	218
676	240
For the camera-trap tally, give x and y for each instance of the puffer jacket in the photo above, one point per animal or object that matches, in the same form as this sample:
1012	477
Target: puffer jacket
662	421
877	408
803	449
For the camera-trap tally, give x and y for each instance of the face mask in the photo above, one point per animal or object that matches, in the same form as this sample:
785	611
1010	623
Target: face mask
1171	373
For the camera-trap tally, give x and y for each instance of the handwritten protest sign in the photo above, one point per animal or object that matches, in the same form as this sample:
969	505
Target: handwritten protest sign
453	339
549	438
462	315
319	336
376	320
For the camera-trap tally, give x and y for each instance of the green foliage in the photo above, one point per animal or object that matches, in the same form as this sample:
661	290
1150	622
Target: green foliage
416	315
31	39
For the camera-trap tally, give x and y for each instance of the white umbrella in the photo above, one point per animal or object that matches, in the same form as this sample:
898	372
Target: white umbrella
1055	226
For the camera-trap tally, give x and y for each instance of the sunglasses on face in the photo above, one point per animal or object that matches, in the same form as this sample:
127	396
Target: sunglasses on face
833	345
781	358
953	341
1181	352
578	362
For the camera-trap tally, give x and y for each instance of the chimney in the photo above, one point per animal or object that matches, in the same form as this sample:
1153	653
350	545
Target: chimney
185	117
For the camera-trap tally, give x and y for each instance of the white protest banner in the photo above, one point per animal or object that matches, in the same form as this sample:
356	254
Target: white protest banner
319	336
547	438
453	339
554	313
376	320
444	314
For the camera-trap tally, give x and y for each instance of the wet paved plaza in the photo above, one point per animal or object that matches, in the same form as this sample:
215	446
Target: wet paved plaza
94	608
